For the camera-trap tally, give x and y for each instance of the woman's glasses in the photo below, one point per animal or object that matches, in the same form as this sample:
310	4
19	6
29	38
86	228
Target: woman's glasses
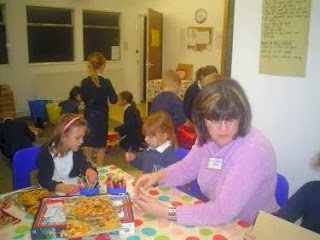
222	123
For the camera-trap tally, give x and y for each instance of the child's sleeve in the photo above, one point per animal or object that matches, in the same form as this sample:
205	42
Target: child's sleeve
170	157
45	165
138	161
113	98
177	111
83	164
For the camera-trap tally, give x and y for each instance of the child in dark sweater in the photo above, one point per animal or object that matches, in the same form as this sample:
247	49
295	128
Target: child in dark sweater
160	138
304	204
61	160
168	101
71	105
14	135
130	130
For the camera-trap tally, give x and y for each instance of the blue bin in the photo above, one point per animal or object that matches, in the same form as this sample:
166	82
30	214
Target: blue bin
38	109
89	191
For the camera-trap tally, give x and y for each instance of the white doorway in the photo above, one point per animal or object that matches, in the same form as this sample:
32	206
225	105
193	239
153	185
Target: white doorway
150	39
142	57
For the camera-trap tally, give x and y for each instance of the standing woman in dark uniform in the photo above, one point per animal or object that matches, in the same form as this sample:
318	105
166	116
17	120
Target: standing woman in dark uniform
95	92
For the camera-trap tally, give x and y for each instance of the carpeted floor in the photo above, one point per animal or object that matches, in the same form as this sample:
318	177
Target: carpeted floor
115	157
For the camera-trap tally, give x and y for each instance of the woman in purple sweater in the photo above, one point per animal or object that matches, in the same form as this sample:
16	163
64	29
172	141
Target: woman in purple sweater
234	164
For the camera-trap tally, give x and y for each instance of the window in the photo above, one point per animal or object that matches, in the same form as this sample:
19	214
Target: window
101	32
3	38
50	34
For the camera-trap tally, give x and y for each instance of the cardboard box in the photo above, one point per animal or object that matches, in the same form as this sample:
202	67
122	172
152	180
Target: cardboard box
123	203
268	226
60	217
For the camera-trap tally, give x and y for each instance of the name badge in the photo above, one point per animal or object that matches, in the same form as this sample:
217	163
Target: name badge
215	163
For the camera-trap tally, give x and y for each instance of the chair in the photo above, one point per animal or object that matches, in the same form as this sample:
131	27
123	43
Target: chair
182	152
23	163
282	190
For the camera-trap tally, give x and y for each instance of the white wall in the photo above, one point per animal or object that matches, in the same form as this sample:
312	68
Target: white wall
178	16
286	109
31	81
24	78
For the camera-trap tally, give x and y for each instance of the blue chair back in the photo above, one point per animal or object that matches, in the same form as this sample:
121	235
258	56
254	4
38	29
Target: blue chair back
23	163
182	152
282	190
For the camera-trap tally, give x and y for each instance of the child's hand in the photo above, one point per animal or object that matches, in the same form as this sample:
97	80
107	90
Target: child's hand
91	175
129	156
67	188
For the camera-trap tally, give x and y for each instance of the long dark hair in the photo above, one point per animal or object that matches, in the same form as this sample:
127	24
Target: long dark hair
74	92
209	69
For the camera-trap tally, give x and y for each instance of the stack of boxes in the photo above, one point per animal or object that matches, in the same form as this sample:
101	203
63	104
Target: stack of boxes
7	107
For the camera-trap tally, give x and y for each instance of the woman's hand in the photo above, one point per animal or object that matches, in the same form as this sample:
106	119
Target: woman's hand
147	180
129	156
91	175
150	205
67	188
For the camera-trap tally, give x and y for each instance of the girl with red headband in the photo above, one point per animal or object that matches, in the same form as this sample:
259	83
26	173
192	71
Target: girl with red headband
61	160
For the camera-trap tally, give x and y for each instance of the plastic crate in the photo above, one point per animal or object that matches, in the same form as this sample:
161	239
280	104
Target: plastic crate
38	110
53	111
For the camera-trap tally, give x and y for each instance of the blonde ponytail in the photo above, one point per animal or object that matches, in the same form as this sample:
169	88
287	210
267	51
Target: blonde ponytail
96	60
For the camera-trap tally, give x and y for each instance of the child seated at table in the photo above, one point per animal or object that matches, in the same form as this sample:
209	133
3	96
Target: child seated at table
61	160
160	138
130	130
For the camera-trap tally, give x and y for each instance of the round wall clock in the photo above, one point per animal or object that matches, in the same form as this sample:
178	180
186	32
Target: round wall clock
200	15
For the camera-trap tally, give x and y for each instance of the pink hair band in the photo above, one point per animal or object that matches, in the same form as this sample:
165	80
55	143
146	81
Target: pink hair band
70	123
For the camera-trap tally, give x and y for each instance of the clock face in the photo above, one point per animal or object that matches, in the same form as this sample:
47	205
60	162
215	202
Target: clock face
200	15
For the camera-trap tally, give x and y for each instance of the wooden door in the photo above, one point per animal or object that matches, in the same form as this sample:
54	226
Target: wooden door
154	48
154	45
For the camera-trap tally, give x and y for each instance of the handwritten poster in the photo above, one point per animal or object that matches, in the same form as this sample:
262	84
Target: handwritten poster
284	37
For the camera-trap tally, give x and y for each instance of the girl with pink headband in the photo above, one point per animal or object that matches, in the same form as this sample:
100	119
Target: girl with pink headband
61	159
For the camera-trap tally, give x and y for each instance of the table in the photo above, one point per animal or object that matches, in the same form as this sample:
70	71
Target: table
147	226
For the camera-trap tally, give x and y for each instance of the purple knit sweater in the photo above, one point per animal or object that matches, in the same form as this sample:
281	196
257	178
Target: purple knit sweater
244	185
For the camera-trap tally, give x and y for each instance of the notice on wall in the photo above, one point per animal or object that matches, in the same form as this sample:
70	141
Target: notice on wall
155	38
115	52
199	38
284	37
